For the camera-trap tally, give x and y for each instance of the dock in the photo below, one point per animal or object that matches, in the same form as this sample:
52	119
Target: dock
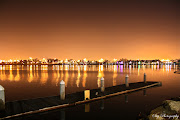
31	106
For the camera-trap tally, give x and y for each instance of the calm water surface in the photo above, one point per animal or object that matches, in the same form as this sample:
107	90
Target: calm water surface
24	82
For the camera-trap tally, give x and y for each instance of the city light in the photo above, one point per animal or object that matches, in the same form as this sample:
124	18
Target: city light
101	60
115	60
165	60
85	61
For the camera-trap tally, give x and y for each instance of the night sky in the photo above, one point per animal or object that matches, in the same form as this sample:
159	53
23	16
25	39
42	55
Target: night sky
92	29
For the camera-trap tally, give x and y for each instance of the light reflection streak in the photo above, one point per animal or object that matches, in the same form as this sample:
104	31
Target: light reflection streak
57	77
66	78
130	69
121	68
44	74
157	67
176	67
114	75
31	73
1	67
73	67
138	69
170	67
61	67
17	77
62	75
163	68
10	73
36	67
154	66
72	78
167	68
143	66
84	76
93	68
66	67
78	77
100	74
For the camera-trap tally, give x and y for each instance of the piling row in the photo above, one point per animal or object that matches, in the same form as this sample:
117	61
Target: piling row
62	90
62	85
31	106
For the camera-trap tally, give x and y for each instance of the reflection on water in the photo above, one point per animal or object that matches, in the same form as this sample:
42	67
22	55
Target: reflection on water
114	75
100	75
35	72
77	77
87	107
84	76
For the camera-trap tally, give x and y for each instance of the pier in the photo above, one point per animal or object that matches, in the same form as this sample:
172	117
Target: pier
31	106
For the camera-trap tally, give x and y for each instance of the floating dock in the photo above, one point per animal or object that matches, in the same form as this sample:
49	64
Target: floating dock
31	106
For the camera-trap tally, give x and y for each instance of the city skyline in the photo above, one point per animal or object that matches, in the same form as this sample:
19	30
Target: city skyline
36	58
56	61
89	29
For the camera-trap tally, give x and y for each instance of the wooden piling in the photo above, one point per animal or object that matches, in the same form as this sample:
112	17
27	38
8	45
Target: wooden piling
2	98
102	85
126	81
62	90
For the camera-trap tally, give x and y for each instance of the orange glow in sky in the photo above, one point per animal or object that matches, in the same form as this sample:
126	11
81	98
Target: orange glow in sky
89	29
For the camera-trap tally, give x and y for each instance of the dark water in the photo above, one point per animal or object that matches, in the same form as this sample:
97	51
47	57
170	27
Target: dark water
23	82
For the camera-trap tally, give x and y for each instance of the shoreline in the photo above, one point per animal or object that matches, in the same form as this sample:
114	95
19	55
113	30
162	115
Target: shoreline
87	64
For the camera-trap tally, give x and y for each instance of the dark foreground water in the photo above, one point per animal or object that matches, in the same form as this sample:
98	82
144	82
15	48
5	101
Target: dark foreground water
23	82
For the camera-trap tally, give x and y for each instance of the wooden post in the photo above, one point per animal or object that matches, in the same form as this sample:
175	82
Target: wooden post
126	81
102	84
62	90
144	77
2	98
